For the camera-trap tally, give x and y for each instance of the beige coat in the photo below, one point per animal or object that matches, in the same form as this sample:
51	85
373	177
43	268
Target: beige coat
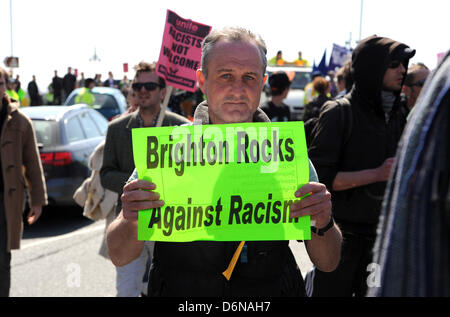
97	202
19	153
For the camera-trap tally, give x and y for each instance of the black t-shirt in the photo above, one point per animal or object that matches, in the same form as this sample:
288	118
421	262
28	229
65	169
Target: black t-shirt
276	114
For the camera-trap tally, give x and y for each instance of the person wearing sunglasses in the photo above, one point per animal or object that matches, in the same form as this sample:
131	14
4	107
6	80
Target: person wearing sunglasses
148	90
353	147
414	81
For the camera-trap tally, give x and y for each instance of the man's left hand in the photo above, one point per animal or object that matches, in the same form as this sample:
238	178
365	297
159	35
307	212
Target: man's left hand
34	214
317	204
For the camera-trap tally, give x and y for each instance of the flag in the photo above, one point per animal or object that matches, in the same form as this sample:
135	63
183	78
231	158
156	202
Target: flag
339	55
322	67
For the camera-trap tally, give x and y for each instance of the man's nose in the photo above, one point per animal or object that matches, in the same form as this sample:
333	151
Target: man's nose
237	87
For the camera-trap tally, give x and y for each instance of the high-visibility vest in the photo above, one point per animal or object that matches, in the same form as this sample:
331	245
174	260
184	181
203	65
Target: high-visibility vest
13	94
85	96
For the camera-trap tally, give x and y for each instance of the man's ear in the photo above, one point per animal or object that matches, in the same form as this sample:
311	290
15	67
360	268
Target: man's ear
201	80
264	81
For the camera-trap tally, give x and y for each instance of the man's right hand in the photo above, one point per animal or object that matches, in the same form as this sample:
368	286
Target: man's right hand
384	171
139	195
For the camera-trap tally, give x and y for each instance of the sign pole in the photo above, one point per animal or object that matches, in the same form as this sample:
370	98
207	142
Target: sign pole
162	112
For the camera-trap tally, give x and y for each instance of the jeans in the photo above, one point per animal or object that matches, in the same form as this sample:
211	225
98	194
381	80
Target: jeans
130	277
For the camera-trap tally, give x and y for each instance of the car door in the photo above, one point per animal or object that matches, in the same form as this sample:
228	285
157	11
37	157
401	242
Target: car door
79	145
93	135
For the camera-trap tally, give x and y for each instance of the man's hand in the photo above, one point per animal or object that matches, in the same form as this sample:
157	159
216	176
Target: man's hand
34	214
317	204
384	171
139	195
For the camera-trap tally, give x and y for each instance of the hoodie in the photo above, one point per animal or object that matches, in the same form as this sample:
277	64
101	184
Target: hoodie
360	135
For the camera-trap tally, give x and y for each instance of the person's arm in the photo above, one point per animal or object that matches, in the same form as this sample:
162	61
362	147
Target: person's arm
111	176
34	174
324	251
347	180
121	234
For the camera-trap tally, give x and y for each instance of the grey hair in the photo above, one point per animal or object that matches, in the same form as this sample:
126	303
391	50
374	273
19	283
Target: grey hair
233	35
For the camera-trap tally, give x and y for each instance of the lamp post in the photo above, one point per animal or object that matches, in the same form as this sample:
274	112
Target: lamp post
11	26
360	20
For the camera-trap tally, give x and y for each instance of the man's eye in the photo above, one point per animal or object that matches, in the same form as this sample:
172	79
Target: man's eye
225	76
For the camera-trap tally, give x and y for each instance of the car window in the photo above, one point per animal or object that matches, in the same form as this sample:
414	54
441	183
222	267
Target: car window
45	132
300	80
73	129
101	101
100	120
104	101
89	127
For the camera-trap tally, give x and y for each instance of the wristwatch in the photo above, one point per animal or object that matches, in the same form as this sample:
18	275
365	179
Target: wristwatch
320	232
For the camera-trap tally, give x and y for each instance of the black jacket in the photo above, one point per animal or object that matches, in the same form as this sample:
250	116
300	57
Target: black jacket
360	137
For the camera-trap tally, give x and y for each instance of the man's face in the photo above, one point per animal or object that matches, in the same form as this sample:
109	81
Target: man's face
233	83
413	91
393	76
149	99
2	86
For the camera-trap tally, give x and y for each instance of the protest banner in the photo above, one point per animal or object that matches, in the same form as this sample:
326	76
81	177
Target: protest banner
180	54
228	182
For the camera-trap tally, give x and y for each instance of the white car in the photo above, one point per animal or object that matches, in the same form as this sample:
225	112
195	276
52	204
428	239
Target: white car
300	77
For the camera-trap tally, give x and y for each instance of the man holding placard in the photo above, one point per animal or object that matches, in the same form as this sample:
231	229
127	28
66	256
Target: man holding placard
232	78
150	90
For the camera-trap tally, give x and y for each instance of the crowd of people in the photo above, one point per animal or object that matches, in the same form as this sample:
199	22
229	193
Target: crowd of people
60	88
354	123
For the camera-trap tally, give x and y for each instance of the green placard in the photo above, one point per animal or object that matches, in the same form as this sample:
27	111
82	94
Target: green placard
228	182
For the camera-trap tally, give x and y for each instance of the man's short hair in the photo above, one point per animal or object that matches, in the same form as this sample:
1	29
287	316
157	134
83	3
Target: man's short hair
88	82
5	98
344	74
278	83
411	73
320	85
233	35
144	67
4	74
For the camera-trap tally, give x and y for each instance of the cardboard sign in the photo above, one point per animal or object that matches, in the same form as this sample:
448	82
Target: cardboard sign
228	182
180	54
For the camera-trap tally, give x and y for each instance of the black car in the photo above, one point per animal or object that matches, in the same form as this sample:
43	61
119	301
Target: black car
66	136
110	102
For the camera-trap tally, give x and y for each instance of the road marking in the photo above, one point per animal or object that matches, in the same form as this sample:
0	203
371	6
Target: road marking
95	228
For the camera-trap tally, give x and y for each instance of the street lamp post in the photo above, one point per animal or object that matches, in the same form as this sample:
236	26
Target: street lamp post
11	25
360	20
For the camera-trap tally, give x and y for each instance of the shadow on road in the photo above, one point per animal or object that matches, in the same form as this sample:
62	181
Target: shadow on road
56	221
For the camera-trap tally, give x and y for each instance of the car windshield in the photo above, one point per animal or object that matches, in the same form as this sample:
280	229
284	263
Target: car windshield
300	80
101	101
45	132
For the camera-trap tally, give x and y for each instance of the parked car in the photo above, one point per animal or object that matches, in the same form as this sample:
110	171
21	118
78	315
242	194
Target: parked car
300	77
66	137
110	102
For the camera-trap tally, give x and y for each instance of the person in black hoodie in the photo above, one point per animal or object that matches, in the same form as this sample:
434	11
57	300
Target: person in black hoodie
353	147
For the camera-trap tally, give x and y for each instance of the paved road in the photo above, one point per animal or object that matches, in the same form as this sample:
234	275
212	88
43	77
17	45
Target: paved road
59	257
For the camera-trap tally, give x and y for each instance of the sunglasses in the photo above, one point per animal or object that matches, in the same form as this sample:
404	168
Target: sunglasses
419	83
150	86
394	64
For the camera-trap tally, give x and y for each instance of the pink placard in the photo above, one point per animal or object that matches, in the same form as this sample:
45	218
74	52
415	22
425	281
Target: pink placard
181	51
